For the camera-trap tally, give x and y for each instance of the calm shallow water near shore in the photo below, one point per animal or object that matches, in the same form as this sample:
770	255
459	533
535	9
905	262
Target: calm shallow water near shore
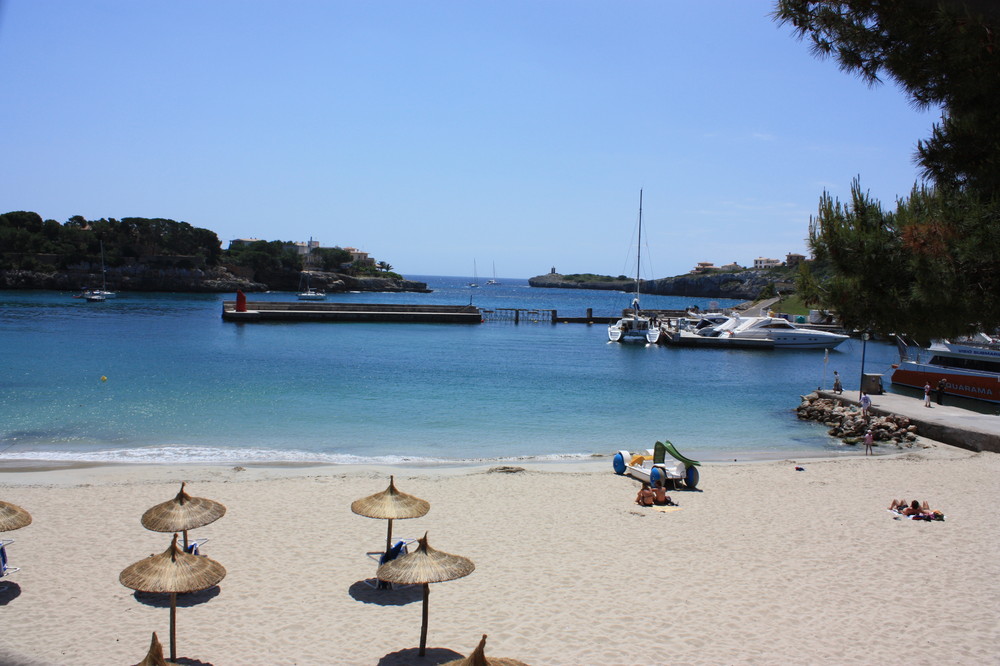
182	385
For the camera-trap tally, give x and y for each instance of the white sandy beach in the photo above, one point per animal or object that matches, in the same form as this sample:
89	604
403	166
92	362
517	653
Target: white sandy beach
764	565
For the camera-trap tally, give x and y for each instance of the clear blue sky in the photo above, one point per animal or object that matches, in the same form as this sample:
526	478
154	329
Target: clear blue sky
436	133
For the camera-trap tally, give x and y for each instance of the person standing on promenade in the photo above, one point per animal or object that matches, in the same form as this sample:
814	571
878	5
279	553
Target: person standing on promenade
927	394
940	389
868	443
838	388
866	403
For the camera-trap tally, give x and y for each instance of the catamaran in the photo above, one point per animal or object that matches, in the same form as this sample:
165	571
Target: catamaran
634	325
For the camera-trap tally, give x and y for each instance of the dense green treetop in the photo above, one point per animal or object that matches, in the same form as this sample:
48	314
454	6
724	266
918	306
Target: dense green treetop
79	239
930	267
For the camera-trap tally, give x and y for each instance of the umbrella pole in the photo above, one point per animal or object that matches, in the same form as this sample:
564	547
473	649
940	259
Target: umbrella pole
173	626
185	541
388	537
423	626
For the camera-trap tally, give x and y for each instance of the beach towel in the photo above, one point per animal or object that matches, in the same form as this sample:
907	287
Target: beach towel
193	548
3	560
937	516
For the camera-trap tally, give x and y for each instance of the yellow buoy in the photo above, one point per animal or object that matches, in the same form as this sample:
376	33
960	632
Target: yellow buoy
103	378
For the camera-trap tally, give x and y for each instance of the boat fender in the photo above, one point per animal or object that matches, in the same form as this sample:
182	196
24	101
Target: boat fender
618	462
692	477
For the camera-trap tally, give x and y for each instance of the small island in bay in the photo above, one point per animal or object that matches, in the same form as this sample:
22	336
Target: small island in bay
731	281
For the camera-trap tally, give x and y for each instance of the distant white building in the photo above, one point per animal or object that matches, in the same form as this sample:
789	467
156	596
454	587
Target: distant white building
762	262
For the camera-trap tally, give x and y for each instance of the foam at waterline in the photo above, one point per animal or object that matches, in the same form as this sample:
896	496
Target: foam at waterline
222	455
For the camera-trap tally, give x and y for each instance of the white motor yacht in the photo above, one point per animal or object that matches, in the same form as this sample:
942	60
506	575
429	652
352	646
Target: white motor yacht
780	332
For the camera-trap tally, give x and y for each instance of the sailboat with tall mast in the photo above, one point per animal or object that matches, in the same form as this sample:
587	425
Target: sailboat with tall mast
102	294
634	325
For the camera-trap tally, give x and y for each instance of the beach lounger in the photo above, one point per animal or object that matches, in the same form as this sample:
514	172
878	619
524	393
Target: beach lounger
5	569
194	546
401	548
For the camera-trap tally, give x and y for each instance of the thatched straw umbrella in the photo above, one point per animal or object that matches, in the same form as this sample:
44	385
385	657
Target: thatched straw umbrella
154	657
13	517
421	567
182	513
479	658
172	571
390	504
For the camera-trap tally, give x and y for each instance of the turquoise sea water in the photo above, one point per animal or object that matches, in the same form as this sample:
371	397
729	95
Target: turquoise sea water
182	385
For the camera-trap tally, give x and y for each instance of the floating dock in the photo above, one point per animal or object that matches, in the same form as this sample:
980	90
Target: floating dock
264	311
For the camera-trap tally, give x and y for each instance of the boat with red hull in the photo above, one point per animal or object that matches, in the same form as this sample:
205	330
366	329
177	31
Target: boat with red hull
970	367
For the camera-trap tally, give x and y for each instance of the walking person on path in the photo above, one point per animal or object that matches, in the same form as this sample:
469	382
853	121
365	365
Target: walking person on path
940	389
838	388
866	403
927	394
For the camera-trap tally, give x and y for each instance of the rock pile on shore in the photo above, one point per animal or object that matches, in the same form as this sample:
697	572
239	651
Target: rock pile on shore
846	422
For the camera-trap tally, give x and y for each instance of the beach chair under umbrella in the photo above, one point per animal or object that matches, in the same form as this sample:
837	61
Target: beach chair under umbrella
479	658
422	567
172	572
390	504
182	513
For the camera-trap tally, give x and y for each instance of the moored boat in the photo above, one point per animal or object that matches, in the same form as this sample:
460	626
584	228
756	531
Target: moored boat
633	325
768	332
970	367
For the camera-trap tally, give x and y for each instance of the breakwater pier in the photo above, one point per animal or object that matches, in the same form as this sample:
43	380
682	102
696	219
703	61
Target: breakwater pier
267	311
944	423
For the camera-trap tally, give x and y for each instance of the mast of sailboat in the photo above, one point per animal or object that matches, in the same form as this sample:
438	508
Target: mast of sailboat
638	255
104	279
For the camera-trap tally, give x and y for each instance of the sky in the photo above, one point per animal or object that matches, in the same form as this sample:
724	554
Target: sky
446	136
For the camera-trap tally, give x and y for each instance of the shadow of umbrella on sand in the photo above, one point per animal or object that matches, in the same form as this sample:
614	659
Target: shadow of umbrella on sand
182	513
422	567
173	572
390	504
479	658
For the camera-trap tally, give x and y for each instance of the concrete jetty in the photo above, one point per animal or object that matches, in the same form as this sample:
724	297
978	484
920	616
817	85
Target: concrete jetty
944	423
263	311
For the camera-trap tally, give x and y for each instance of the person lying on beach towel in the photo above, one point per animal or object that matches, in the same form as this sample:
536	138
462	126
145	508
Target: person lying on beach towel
915	510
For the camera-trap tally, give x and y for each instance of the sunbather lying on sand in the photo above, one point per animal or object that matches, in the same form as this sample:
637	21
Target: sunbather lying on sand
914	508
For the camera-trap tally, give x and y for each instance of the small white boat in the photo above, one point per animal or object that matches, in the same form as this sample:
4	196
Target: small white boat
94	296
310	294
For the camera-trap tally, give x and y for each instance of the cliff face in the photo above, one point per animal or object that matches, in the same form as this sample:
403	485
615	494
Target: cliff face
744	285
218	279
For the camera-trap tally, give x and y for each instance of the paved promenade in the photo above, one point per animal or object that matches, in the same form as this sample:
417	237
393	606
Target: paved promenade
944	423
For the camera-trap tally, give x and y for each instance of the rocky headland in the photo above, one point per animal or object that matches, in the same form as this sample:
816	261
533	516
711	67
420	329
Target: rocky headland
746	285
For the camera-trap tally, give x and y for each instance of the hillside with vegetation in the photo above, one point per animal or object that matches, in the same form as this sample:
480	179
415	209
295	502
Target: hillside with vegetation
156	254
